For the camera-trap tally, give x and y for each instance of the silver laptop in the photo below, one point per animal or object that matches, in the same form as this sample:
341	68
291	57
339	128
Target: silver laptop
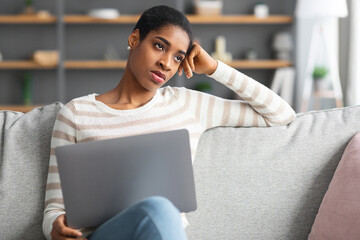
101	178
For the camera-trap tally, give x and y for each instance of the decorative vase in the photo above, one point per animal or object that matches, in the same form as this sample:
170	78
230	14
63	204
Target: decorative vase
261	10
321	84
29	10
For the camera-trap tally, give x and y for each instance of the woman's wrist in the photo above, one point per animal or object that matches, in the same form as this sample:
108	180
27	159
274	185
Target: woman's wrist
212	68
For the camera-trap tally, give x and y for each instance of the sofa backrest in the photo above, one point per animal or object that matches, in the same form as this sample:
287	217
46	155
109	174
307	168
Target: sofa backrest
24	158
268	183
252	183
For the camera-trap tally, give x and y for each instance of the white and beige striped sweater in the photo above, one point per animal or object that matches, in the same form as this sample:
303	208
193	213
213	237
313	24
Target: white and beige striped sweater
86	119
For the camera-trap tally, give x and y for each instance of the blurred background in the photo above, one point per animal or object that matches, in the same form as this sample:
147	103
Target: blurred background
58	50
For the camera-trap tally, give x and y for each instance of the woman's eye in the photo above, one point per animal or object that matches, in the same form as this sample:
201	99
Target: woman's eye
159	46
178	59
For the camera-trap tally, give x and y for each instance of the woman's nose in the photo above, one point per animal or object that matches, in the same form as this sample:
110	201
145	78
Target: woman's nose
165	62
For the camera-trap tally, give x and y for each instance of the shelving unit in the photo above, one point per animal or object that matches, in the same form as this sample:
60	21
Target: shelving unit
130	19
64	20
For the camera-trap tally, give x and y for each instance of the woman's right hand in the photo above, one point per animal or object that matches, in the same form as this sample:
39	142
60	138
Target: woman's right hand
198	61
61	231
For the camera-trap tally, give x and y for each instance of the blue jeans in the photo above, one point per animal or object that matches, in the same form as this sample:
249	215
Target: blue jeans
154	218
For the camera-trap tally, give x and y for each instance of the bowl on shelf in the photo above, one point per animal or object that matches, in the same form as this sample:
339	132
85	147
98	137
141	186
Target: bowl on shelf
104	13
46	57
208	7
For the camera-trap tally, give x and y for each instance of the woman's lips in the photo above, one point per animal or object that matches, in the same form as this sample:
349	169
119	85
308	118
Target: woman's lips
158	76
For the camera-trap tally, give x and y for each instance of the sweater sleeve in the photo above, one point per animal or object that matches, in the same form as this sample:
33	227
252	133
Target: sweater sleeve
259	107
64	133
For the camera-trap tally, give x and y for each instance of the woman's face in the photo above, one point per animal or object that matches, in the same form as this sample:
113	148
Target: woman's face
156	58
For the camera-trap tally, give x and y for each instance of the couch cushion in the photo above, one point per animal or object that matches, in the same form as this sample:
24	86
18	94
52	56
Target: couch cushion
24	155
339	213
268	183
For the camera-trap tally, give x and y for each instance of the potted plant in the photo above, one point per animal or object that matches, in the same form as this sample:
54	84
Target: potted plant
319	76
29	7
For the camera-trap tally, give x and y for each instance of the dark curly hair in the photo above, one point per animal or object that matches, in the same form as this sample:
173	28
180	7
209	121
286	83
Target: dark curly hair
160	16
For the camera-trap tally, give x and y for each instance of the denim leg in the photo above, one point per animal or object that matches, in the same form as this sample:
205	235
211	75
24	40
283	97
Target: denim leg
154	218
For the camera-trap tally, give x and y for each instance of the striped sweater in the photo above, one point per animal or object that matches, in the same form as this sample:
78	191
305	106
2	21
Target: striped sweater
86	119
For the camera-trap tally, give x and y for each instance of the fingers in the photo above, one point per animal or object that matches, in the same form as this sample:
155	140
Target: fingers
190	63
58	236
60	226
193	53
61	231
180	69
187	68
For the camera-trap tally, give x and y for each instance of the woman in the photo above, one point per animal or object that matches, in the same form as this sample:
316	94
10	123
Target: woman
160	45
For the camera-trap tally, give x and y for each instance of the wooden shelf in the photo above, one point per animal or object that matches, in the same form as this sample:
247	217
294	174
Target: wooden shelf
101	64
84	19
131	19
24	65
18	108
194	19
26	19
259	64
241	64
239	19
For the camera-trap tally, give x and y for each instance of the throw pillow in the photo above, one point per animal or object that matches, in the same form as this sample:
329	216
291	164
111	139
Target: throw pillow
339	213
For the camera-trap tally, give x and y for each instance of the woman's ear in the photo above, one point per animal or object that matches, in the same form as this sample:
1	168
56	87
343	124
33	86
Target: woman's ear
134	39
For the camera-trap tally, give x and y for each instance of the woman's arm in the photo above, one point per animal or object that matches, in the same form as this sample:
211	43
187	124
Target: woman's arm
262	107
64	133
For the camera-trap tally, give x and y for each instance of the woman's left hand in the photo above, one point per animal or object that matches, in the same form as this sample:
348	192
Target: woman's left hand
198	61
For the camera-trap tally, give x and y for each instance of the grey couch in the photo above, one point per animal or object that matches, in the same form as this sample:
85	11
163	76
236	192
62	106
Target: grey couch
252	183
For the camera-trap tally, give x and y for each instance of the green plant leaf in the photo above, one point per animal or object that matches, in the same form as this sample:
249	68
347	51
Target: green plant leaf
320	72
